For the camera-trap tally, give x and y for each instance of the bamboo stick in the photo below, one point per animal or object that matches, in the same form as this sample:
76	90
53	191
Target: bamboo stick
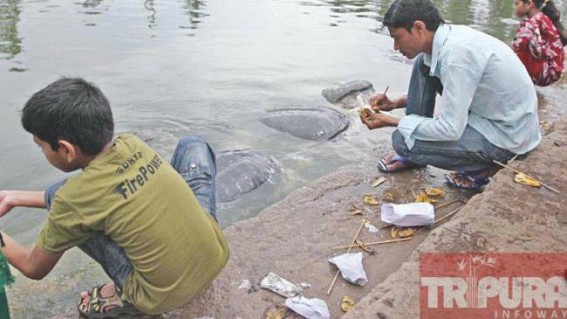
518	172
374	243
353	242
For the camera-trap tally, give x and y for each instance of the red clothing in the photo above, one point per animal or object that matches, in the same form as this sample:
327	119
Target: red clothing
538	45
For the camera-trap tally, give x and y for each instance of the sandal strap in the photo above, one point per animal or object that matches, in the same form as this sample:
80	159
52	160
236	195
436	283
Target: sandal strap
98	304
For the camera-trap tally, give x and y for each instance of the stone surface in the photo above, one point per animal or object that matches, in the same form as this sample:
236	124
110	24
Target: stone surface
509	216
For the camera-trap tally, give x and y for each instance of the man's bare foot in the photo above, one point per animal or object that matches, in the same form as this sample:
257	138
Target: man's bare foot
394	162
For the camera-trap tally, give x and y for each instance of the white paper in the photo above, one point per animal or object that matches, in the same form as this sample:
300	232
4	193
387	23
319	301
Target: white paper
351	268
309	308
407	215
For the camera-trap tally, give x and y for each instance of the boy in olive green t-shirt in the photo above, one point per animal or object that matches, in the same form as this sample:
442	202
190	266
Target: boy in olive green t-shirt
151	225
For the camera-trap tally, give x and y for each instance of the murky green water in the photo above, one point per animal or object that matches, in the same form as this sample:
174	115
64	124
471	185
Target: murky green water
171	68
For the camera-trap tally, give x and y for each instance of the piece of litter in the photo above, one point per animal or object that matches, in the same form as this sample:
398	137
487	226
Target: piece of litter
347	303
351	267
245	284
309	308
280	286
407	215
304	285
379	181
371	228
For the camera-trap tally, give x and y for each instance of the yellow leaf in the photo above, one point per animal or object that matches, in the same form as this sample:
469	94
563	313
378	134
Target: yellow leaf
423	198
394	232
526	180
347	303
404	233
379	181
370	200
435	192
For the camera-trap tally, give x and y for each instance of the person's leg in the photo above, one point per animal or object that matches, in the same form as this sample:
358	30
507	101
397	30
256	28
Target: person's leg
195	160
471	153
422	93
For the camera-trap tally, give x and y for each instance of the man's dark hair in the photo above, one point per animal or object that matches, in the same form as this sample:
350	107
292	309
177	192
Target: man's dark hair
70	109
403	13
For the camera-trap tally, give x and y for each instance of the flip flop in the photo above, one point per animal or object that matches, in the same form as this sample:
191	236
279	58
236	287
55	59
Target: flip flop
406	163
477	182
106	307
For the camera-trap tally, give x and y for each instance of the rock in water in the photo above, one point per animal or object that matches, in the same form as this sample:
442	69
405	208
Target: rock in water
242	171
312	123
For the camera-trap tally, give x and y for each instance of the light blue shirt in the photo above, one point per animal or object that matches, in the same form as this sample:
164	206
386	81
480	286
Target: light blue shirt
485	85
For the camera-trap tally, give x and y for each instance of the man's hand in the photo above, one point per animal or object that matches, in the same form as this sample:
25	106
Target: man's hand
6	202
378	120
32	263
10	199
381	102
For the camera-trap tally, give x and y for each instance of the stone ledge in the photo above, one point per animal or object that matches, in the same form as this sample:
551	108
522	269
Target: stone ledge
511	217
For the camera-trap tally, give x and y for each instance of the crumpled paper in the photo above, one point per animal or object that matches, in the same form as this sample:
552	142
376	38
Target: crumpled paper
309	308
407	215
351	268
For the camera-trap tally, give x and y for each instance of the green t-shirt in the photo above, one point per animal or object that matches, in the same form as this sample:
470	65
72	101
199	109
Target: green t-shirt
132	195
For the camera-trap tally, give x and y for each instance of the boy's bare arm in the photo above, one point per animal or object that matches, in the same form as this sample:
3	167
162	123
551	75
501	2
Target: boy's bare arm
32	263
10	199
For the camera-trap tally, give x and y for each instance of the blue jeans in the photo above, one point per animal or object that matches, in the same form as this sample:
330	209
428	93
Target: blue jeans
195	160
471	153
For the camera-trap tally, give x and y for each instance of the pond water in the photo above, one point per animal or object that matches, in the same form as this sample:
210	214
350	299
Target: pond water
171	68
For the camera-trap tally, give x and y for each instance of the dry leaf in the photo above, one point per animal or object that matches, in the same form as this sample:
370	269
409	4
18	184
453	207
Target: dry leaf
434	192
405	233
379	181
370	200
526	180
394	232
347	303
356	212
388	197
423	198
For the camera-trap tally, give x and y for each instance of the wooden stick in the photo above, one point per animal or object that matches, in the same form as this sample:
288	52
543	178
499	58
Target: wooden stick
386	90
447	203
363	246
453	212
518	172
374	243
353	242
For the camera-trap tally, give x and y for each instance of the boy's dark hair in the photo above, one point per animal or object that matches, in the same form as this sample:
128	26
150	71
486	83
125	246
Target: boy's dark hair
403	13
550	10
70	109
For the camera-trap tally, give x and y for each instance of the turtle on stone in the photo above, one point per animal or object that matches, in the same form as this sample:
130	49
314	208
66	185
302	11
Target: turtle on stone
312	123
242	171
344	95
